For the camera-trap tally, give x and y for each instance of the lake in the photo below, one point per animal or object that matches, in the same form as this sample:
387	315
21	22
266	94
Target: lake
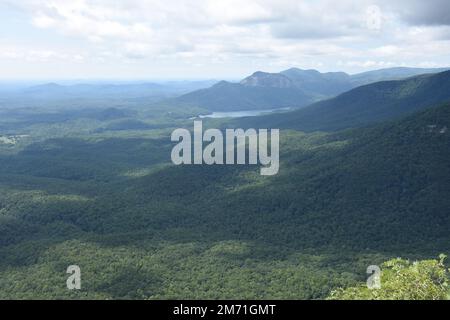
239	114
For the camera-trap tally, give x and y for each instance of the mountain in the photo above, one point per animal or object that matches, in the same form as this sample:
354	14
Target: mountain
57	91
391	74
322	84
268	80
334	83
290	88
257	92
76	94
364	105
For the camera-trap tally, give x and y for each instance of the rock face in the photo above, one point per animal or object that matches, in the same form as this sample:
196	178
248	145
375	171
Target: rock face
268	80
294	88
366	105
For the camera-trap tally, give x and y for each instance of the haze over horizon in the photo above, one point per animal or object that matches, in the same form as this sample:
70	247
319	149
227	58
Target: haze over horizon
154	39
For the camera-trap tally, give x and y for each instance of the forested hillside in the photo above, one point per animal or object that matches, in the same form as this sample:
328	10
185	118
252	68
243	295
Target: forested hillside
139	227
292	88
227	96
364	105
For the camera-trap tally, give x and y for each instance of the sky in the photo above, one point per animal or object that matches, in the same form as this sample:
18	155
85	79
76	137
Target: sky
217	39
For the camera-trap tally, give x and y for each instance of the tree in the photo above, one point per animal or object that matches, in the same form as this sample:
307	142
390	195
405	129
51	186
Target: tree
403	280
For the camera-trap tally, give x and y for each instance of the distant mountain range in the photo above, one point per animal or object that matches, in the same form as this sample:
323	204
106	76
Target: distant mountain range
66	94
111	90
364	105
290	88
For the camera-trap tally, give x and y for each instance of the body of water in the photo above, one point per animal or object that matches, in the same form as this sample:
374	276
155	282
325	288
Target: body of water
239	114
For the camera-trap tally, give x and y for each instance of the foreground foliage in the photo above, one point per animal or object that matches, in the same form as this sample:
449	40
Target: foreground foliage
403	280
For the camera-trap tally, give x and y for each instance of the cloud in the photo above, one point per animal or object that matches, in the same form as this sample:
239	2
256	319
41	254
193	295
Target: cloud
368	64
238	35
386	51
80	18
43	21
240	12
423	13
27	54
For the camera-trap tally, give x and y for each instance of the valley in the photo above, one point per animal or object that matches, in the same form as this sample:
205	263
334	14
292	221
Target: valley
97	188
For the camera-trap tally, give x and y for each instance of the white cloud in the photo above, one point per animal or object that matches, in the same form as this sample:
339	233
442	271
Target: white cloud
78	17
368	64
43	21
24	53
239	35
386	51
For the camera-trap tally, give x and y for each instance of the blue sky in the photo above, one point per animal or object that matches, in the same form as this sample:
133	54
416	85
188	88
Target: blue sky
178	39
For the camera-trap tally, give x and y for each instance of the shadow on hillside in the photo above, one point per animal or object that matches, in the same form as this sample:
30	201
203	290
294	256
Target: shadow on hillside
335	200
